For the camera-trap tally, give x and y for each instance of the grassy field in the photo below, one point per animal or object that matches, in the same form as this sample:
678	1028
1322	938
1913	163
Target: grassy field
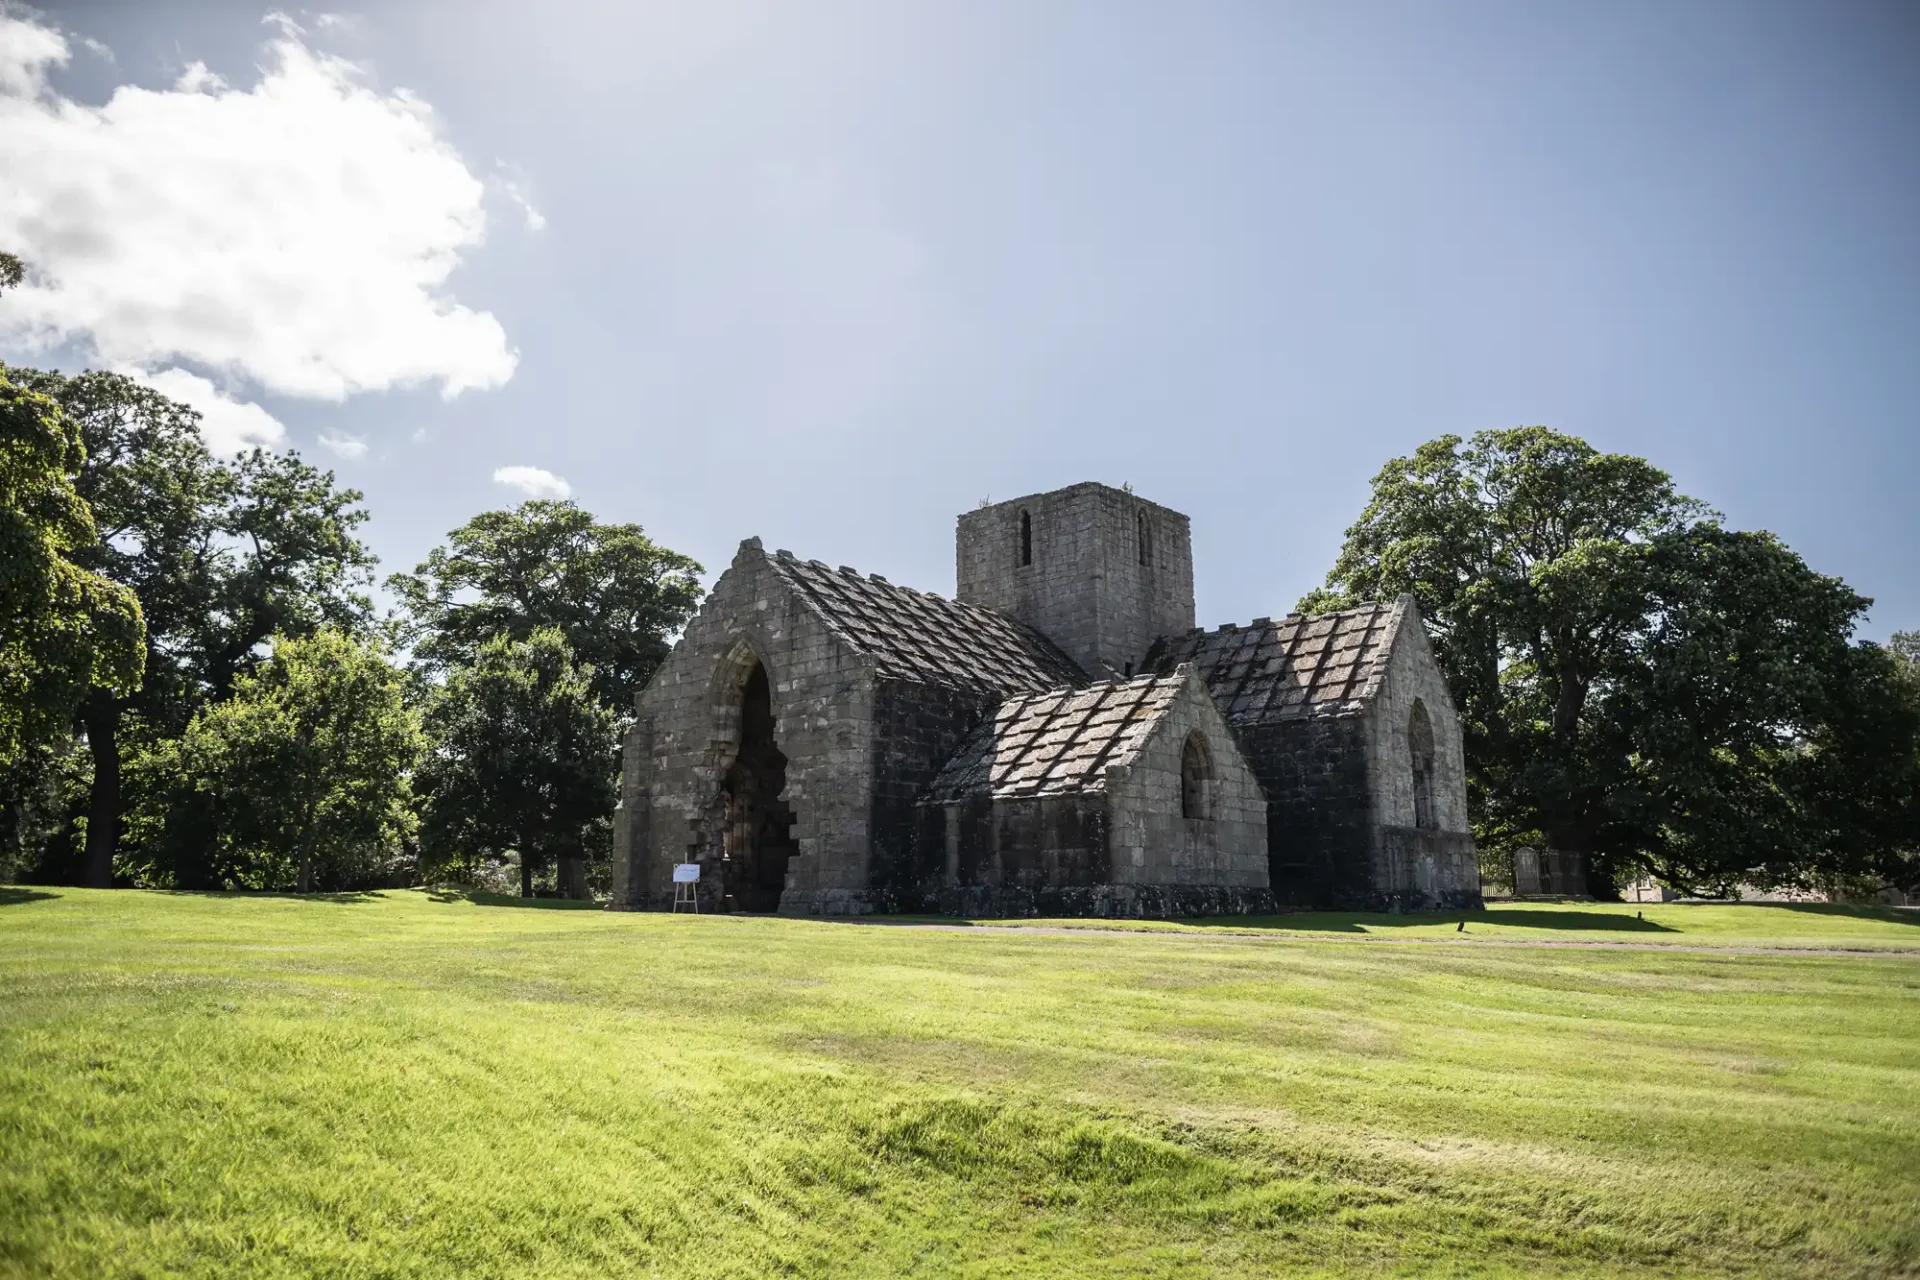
394	1085
1774	926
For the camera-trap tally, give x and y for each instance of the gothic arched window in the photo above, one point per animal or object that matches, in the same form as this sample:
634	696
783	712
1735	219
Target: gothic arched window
1420	751
1196	778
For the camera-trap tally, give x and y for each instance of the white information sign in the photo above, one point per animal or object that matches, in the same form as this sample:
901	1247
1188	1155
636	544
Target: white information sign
686	873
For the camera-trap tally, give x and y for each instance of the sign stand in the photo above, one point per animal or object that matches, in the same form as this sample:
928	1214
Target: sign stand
686	885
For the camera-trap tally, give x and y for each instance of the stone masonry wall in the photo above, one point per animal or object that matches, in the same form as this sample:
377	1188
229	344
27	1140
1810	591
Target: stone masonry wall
916	729
1416	869
1414	676
1319	808
823	706
632	825
1021	857
1086	588
1152	842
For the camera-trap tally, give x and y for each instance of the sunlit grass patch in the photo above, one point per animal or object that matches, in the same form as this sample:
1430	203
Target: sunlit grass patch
397	1085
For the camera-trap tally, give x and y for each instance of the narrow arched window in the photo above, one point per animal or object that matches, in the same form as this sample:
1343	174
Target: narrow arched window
1196	778
1026	539
1143	537
1420	751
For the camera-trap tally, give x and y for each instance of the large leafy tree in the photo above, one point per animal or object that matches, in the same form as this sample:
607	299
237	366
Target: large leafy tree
221	555
617	596
1636	683
302	772
63	629
1905	647
522	759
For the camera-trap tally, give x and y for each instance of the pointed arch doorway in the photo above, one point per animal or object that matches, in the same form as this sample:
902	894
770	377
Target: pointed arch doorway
757	831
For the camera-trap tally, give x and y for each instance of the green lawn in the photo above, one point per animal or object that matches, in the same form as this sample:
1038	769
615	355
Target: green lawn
1790	926
395	1086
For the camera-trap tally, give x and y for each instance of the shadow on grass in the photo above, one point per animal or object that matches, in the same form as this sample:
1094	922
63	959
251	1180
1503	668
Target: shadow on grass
346	897
479	899
11	897
1319	921
1892	915
1608	921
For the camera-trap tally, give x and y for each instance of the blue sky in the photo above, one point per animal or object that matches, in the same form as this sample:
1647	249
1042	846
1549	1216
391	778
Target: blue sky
831	274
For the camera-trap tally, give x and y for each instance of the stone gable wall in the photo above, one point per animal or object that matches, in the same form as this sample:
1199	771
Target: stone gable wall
1419	869
1086	589
823	704
1152	843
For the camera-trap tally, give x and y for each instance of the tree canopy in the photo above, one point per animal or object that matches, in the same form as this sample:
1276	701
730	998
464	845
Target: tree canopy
301	776
63	629
1905	647
1636	682
524	757
221	555
616	596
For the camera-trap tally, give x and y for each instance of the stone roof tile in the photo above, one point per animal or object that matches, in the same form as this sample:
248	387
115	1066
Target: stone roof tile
926	638
1328	665
1059	742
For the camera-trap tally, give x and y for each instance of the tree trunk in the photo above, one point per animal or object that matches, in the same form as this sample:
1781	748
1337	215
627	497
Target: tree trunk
101	715
573	877
526	872
1570	850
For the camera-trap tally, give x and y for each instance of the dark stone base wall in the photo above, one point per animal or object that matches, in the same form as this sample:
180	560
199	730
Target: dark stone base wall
1105	902
916	730
1041	845
1319	809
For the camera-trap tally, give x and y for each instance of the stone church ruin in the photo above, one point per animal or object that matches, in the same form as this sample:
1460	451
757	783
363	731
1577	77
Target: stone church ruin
1059	739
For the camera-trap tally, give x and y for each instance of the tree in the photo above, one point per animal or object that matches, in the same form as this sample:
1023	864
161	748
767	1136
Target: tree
1905	647
523	757
155	493
303	771
1636	683
63	629
221	556
613	593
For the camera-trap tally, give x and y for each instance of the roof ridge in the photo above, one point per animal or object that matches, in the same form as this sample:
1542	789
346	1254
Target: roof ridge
923	636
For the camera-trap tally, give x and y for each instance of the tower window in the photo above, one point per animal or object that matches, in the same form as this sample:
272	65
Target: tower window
1026	539
1143	537
1196	778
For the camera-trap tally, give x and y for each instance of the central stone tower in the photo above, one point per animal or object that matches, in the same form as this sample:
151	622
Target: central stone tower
1098	571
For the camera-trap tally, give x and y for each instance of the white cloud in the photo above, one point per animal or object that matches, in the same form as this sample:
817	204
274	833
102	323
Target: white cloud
295	236
344	446
226	424
535	482
27	49
516	191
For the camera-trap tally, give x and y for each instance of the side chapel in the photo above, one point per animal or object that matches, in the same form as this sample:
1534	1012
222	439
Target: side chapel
1058	739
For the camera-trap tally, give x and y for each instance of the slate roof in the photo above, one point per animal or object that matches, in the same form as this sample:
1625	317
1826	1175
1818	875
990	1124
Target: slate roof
918	636
1327	665
1059	742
